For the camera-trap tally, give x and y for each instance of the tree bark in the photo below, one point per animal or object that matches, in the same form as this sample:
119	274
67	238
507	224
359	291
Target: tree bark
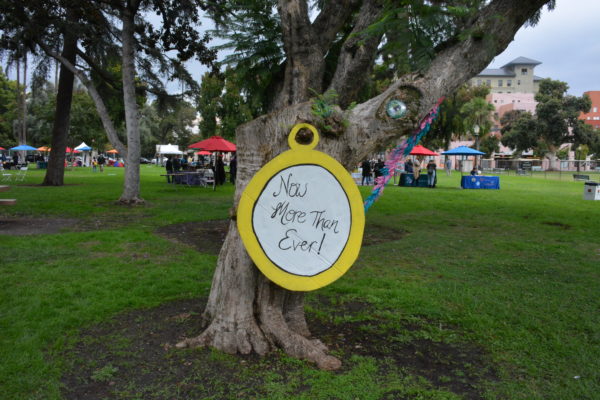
131	188
245	312
20	118
24	104
55	172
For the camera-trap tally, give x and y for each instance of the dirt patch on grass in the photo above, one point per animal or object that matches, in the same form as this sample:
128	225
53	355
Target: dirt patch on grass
205	236
558	224
132	356
35	226
208	236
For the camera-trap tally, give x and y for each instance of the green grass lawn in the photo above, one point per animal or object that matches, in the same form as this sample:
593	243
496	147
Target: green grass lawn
513	272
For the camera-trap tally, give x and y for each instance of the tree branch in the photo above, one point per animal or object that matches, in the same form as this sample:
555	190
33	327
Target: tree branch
305	58
331	19
369	127
93	66
357	55
491	32
100	106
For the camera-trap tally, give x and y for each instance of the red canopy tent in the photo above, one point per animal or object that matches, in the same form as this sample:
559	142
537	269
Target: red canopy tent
203	153
214	143
2	148
419	150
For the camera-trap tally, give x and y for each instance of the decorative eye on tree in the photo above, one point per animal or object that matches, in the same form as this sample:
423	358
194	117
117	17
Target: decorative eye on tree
396	109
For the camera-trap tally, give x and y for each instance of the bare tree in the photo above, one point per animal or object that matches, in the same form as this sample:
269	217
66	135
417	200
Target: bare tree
245	311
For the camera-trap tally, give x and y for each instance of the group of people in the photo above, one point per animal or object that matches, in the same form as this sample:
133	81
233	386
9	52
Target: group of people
98	163
8	164
414	168
371	170
175	164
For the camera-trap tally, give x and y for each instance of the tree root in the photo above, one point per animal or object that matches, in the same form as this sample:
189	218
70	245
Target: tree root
136	201
277	308
230	337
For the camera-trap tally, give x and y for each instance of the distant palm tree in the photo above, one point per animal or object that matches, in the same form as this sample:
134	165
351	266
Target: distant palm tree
478	112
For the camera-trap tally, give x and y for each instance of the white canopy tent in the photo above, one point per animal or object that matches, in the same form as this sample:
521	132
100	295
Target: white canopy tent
166	149
84	148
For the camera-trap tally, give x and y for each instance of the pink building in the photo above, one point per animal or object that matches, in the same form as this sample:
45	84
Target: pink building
593	117
504	102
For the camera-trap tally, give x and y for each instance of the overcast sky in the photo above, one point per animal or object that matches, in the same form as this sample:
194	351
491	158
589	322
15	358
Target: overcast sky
566	42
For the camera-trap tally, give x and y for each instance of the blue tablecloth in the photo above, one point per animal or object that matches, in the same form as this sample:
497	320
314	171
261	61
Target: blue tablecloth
408	180
480	182
189	178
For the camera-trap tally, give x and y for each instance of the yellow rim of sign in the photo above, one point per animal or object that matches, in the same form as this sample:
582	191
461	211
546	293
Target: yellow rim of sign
301	154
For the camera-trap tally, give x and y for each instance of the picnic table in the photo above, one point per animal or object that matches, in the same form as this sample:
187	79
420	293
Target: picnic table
191	178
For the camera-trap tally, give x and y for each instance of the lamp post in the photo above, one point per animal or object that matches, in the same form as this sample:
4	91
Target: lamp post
476	133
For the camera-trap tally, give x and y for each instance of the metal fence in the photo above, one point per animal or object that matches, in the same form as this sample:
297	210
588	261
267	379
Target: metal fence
560	169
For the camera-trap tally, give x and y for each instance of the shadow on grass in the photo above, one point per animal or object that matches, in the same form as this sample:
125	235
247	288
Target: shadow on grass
132	356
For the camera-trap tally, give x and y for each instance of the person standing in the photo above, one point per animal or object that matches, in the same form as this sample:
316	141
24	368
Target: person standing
219	170
416	171
408	173
101	161
431	171
233	168
169	168
448	166
175	164
379	166
366	172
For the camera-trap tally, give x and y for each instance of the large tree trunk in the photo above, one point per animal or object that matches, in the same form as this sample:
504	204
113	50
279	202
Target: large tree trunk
131	187
60	131
246	312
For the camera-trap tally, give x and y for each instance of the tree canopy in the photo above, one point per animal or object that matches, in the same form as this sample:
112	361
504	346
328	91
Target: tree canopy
555	122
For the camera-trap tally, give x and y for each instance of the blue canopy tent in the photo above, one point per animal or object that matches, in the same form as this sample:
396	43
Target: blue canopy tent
463	151
23	147
85	148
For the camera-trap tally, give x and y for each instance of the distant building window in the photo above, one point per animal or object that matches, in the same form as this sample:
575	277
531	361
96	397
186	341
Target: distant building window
595	109
489	82
499	82
588	118
495	101
523	71
519	82
596	118
478	82
508	82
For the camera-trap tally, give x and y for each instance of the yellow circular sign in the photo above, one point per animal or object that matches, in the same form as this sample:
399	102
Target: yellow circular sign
301	217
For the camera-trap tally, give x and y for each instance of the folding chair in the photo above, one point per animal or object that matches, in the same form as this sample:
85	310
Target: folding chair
6	176
20	176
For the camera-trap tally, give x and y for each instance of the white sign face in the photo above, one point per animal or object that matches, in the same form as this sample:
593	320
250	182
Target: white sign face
302	219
